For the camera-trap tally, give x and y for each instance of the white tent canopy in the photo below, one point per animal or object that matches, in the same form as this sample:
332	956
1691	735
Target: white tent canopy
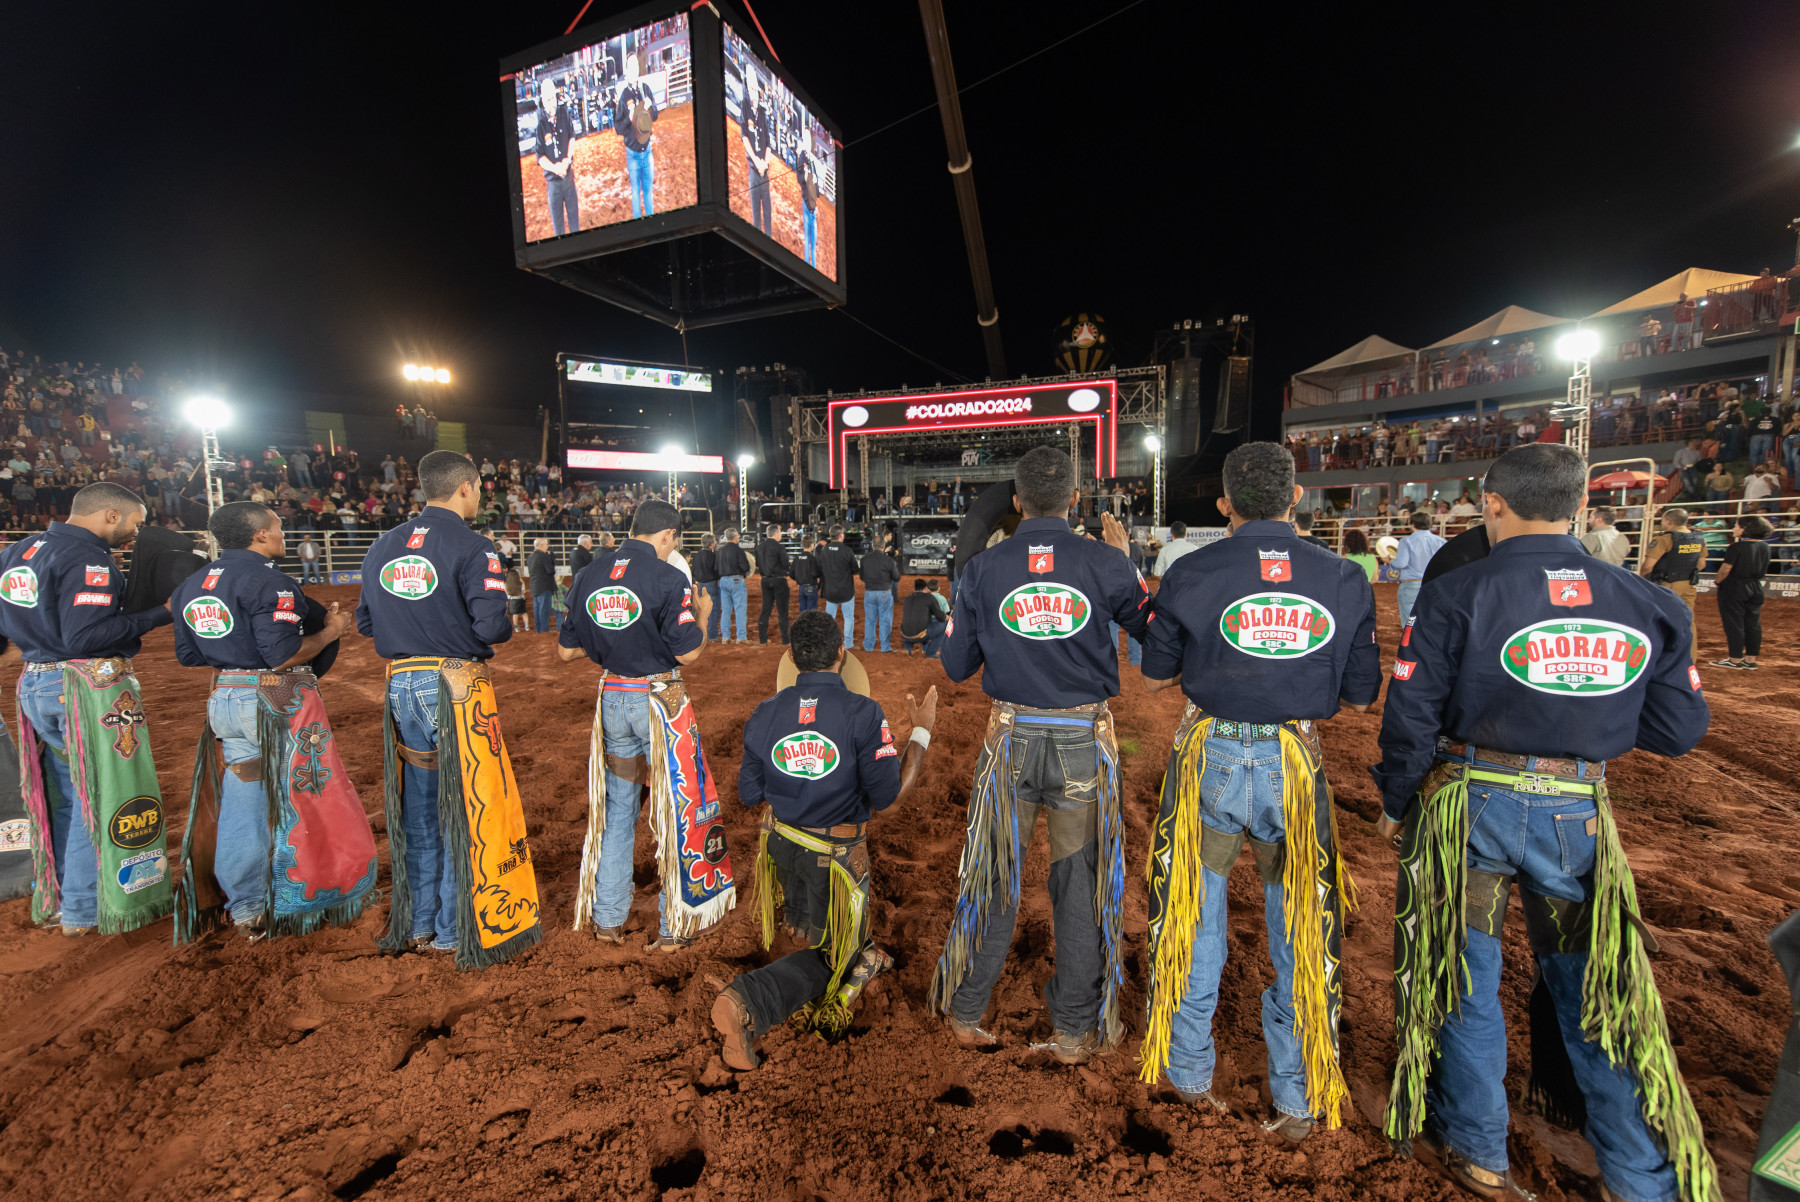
1511	320
1371	350
1694	281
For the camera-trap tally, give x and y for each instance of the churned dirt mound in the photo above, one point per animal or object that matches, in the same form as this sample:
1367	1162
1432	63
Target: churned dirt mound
316	1068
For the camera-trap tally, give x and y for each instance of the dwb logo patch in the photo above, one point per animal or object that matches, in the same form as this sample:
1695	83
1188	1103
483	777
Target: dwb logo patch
137	823
20	587
1045	611
1587	659
808	755
411	577
614	607
1277	625
208	617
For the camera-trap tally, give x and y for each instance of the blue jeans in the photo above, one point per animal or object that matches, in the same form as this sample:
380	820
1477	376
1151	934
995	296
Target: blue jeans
809	223
848	609
430	872
1544	843
642	170
77	866
241	863
312	571
712	619
878	620
1134	650
540	612
1240	791
737	601
1760	446
1408	597
809	597
932	639
625	720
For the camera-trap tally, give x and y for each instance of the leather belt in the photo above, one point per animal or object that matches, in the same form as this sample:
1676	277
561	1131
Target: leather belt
58	665
250	678
1569	768
848	830
55	666
1224	728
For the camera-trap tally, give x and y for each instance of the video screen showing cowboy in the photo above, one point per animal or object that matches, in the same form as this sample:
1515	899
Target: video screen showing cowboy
782	162
606	133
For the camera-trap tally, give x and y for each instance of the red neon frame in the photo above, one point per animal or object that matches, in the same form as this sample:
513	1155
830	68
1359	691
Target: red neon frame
1103	421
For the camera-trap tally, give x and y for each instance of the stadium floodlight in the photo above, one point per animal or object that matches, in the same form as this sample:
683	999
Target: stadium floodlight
207	412
410	371
745	460
443	375
672	451
1577	345
1153	444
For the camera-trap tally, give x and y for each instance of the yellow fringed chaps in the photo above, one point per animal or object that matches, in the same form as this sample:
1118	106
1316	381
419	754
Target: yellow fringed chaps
1173	956
846	917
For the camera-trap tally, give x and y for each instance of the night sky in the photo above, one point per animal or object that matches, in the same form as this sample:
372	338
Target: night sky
305	196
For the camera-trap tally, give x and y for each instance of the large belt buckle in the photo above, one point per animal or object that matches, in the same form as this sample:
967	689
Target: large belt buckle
1540	782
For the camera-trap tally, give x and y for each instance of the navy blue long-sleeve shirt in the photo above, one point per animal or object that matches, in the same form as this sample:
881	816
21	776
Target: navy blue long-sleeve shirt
432	586
1539	649
242	612
1265	627
631	612
62	597
1034	610
819	754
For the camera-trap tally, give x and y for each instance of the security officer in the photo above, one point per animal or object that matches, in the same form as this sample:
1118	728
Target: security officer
1522	674
242	617
1265	633
62	602
824	760
636	648
432	588
1674	561
772	563
1034	611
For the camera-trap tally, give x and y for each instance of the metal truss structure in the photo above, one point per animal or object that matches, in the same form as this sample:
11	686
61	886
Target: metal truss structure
1142	402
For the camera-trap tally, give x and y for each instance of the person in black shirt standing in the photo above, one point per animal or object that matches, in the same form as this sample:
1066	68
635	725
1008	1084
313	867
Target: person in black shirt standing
880	577
540	575
823	759
556	156
1740	583
806	574
1303	523
772	562
837	581
734	565
755	134
634	112
705	567
582	555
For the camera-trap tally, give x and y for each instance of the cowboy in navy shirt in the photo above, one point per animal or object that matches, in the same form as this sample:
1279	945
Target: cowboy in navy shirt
243	616
824	760
632	612
432	587
62	598
1034	610
1265	633
1522	673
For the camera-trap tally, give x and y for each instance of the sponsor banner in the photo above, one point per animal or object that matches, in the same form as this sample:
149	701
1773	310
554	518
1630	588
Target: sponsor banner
1095	401
643	461
924	565
1590	658
346	577
637	375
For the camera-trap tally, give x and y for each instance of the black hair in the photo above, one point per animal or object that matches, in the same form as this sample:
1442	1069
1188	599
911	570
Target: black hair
932	584
837	534
104	495
441	473
654	517
816	641
1356	543
1177	529
1754	527
1421	520
1303	521
1259	481
1540	482
1044	478
918	584
236	524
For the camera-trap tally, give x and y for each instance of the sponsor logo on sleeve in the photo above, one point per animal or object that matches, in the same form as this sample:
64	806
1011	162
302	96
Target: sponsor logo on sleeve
614	607
1585	659
19	586
498	586
1045	611
806	754
418	538
809	709
1568	587
1275	566
684	617
887	736
1040	559
282	615
1406	635
1694	677
97	575
92	599
210	617
494	562
212	578
411	577
1403	669
284	599
1277	625
884	752
618	568
32	549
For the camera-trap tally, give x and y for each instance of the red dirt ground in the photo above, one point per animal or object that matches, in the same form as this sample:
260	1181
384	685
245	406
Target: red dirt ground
604	186
314	1067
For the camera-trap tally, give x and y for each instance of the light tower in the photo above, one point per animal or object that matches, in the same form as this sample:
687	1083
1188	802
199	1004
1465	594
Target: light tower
743	462
1153	444
210	414
1576	411
673	454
